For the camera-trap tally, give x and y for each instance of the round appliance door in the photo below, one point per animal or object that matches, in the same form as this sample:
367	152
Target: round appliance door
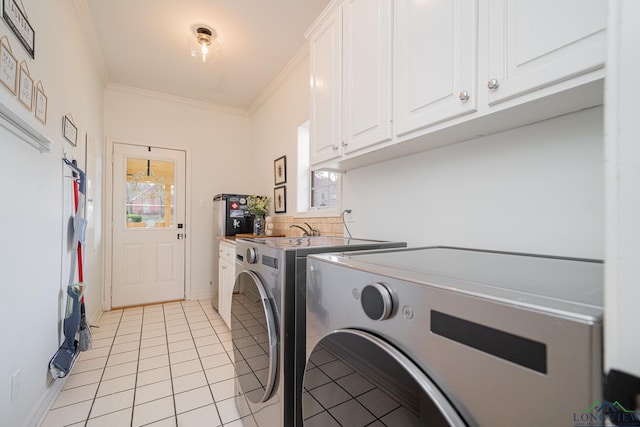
354	378
254	336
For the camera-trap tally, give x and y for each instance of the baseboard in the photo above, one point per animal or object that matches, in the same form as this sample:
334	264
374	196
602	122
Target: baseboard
200	295
40	410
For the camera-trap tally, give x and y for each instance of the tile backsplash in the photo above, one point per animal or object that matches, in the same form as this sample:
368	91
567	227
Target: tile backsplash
328	226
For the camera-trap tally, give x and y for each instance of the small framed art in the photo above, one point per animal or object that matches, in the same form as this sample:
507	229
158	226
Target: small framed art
280	170
69	130
8	67
280	199
25	92
41	104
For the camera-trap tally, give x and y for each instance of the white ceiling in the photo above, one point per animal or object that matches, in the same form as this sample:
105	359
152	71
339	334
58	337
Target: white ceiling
145	44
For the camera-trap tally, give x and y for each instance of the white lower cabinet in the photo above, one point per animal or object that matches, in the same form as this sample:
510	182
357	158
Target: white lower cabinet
226	279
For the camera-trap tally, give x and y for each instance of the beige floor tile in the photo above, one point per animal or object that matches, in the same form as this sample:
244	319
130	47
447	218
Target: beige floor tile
167	422
153	391
181	345
82	378
153	341
116	385
204	332
206	416
112	403
153	362
120	370
120	358
67	415
183	356
220	373
113	419
193	399
208	340
184	368
154	351
75	395
181	336
222	390
125	347
189	382
215	360
155	410
210	350
89	365
153	376
94	353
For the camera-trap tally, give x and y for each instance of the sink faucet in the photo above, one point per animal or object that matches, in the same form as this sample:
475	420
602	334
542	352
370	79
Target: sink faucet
305	233
312	231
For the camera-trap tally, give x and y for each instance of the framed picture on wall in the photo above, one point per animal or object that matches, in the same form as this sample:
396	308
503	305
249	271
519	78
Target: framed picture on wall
280	199
69	130
280	170
41	103
8	67
25	92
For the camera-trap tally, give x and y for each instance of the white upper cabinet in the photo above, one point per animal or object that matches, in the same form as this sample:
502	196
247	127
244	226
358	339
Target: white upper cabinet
351	79
446	71
435	61
535	44
326	89
366	73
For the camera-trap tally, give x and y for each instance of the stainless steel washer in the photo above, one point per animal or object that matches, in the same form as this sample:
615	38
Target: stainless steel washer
451	337
267	321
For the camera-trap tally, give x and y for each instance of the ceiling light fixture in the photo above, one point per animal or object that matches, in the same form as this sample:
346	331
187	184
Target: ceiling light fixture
207	47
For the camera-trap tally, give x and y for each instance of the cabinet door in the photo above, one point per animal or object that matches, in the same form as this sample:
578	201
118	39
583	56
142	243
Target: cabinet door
366	73
226	278
326	94
435	61
537	43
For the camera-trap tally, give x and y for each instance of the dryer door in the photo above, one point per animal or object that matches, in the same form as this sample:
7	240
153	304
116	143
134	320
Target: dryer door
255	338
354	378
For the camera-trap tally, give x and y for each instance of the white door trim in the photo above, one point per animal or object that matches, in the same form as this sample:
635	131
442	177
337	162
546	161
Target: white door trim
107	213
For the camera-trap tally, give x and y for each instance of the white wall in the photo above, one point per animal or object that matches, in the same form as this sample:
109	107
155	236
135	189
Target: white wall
218	143
536	189
37	202
274	129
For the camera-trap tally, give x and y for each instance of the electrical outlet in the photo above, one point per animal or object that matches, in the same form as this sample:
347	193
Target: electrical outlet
349	217
15	385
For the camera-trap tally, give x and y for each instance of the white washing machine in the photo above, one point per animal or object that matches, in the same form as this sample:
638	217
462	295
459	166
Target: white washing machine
451	337
267	321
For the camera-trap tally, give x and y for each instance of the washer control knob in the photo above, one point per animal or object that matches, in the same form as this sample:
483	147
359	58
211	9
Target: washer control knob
376	301
252	255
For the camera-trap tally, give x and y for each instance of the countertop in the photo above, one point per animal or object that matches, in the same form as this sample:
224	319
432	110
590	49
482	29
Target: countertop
232	239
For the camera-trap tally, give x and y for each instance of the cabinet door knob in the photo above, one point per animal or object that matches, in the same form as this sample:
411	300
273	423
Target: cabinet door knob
334	147
493	84
463	96
344	143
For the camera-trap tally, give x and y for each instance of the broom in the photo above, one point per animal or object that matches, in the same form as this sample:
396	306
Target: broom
84	336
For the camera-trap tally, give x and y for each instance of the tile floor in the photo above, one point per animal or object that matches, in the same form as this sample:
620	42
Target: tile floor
159	365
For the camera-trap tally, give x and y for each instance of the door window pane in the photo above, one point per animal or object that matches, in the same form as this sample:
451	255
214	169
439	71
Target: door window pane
150	194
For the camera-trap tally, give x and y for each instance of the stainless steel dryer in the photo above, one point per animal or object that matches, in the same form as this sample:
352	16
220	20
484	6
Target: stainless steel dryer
267	321
451	337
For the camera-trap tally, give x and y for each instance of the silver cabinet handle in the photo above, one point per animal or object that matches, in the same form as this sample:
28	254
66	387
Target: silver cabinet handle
463	96
344	143
334	147
493	84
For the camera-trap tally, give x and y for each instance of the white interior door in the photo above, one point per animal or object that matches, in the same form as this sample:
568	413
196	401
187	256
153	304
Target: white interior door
148	225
